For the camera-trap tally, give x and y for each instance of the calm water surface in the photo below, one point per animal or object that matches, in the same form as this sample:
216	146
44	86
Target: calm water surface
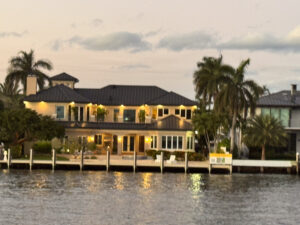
72	197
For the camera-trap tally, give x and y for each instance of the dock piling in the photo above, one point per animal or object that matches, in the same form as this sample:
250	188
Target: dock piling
81	160
134	161
186	163
297	162
162	162
8	158
53	159
30	159
107	160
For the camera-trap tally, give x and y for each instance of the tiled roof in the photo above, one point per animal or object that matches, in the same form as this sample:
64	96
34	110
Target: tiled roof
169	123
58	93
130	95
282	98
122	94
64	77
171	98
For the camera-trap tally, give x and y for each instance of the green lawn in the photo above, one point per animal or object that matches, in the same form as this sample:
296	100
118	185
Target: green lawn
45	157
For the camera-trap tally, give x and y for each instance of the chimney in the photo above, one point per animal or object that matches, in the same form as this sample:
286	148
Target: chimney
31	85
293	89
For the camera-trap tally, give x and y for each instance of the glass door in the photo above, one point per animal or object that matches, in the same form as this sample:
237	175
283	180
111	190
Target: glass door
128	143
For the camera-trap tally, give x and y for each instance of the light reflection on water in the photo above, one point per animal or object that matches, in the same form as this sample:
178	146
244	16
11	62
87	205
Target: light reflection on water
94	197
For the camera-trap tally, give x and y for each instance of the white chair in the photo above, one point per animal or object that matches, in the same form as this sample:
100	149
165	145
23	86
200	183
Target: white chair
172	159
158	158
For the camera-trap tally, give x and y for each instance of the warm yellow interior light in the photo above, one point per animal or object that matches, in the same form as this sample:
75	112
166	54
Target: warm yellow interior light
119	139
91	138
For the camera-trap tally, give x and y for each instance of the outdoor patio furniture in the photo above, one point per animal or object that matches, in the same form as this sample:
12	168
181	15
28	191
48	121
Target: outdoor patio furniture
172	159
158	158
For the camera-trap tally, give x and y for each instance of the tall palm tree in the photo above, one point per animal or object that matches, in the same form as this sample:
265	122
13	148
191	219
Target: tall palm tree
262	131
237	95
9	88
208	77
24	65
10	94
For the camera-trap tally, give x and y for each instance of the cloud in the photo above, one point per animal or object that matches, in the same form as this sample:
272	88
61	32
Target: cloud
12	34
152	33
253	42
97	22
113	42
57	45
134	66
194	40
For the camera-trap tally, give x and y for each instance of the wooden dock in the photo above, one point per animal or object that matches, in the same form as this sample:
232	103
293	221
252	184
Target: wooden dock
106	162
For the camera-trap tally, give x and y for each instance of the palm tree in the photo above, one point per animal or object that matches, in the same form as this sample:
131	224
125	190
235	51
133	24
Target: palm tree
262	131
208	77
9	88
10	94
24	65
237	95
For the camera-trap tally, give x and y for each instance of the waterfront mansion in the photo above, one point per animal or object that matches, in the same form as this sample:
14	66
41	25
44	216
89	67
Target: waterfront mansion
120	118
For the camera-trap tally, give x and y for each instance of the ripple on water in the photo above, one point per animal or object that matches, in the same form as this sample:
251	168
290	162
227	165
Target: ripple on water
94	197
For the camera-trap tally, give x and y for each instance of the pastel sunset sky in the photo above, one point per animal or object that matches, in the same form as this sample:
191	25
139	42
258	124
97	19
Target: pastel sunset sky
154	42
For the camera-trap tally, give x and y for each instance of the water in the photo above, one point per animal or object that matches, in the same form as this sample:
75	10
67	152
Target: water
94	197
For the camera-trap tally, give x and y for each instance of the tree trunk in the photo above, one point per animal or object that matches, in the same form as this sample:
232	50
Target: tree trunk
232	131
263	152
207	141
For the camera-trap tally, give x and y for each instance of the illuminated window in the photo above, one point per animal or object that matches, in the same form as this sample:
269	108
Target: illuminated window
189	142
160	112
171	142
129	116
153	142
182	112
60	112
188	114
98	139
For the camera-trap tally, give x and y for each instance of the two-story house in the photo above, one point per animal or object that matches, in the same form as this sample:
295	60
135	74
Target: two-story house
137	118
285	106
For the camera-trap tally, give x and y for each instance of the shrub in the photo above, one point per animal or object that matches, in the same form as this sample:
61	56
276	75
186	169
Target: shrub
91	146
93	157
224	143
151	153
194	156
166	154
42	147
72	144
56	144
154	153
16	151
86	157
179	155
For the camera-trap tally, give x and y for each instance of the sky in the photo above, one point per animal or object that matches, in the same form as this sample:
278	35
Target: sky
154	42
